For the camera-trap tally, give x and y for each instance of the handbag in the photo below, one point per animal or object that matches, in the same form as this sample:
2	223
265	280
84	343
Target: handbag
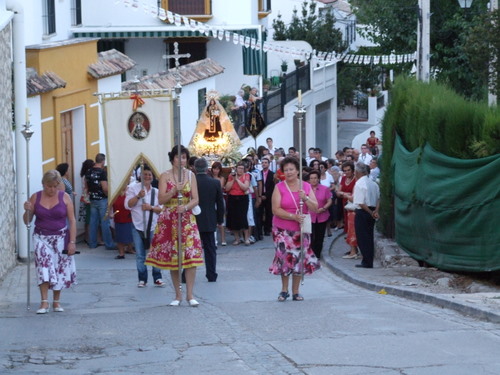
307	221
196	210
350	206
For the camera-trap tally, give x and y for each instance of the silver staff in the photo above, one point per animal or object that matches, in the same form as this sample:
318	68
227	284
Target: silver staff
27	133
177	131
299	114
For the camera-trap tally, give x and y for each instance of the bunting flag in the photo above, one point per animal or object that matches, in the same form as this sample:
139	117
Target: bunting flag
136	126
216	32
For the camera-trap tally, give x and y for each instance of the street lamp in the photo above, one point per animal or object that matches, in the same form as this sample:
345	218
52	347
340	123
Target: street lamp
423	37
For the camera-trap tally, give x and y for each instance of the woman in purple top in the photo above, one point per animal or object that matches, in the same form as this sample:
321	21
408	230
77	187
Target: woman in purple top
320	218
55	231
286	229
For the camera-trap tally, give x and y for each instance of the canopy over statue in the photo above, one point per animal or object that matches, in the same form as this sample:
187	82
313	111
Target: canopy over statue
214	136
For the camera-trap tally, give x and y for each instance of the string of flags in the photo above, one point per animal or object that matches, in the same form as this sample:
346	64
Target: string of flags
255	44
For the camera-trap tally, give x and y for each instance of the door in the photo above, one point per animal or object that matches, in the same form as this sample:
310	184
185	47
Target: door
67	142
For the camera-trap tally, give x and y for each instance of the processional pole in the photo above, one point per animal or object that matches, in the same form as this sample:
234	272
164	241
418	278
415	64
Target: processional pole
177	132
27	133
299	114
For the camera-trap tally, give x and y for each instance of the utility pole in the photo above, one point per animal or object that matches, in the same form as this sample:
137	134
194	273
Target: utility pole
424	40
492	98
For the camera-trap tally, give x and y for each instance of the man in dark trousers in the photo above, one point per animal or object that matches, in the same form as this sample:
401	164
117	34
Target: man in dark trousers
265	209
366	197
212	213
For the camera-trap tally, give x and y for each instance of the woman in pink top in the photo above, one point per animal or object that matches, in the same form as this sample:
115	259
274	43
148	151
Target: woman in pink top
320	218
286	229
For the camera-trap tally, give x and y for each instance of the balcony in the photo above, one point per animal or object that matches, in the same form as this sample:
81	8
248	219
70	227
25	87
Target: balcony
199	10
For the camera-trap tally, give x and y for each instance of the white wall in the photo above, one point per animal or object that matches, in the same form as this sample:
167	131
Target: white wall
35	144
230	57
274	59
240	12
106	13
34	30
147	53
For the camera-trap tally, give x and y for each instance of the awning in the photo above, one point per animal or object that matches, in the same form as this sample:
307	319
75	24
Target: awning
137	34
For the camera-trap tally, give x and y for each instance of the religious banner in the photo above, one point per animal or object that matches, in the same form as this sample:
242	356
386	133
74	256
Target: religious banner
137	127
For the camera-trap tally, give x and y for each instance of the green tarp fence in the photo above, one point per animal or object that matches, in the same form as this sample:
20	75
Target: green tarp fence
447	210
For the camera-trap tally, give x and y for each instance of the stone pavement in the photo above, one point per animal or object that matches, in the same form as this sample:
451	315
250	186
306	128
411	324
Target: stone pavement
398	274
112	327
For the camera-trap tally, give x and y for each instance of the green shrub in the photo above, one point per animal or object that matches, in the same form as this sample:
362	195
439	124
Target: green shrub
431	113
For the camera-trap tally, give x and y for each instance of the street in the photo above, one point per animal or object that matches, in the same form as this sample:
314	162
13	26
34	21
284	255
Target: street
112	327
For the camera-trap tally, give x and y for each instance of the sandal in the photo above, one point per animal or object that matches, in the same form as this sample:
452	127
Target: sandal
283	296
247	243
297	297
236	243
120	257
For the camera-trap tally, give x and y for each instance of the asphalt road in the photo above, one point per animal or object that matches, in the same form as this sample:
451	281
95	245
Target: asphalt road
112	327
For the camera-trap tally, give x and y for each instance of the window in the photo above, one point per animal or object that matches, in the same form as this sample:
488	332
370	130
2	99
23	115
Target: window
76	12
49	17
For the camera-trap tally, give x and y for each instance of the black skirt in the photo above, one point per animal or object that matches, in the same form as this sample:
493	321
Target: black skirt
237	209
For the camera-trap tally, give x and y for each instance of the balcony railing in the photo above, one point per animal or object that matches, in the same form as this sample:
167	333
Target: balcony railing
189	7
274	102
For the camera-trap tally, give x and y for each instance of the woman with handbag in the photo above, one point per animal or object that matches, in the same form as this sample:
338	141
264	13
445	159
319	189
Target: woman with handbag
54	239
164	252
287	222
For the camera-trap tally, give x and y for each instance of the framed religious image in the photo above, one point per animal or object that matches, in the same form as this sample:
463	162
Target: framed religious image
138	126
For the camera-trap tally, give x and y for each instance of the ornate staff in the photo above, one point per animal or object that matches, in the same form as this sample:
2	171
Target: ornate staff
27	133
177	131
299	114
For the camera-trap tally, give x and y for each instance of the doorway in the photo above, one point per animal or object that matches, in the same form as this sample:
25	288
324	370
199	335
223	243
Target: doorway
67	143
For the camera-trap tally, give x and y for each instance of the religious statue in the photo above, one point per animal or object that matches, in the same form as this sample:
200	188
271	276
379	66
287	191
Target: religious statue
215	137
214	130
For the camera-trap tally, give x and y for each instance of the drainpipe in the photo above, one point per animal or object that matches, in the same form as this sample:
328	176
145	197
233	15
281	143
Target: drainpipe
20	98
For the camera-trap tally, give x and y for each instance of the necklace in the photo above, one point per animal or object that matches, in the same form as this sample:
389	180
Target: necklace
174	173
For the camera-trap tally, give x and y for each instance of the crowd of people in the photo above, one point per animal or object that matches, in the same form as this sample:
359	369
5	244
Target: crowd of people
262	195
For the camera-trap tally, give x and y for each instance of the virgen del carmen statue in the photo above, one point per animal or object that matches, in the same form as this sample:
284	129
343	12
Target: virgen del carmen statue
215	138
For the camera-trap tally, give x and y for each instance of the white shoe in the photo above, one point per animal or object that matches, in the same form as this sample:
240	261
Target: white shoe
141	284
44	310
193	303
57	309
175	302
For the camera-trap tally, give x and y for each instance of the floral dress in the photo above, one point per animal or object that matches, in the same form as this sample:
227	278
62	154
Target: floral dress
163	253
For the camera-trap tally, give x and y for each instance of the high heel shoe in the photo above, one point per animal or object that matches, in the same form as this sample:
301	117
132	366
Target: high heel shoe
58	308
44	310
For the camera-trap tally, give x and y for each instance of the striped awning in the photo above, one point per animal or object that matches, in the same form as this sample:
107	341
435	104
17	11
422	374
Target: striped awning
137	34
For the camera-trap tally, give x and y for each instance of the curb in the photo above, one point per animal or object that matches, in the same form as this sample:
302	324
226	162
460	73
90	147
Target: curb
353	278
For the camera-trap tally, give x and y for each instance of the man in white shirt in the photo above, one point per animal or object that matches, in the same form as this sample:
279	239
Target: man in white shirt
310	155
366	196
270	146
145	213
365	156
374	170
